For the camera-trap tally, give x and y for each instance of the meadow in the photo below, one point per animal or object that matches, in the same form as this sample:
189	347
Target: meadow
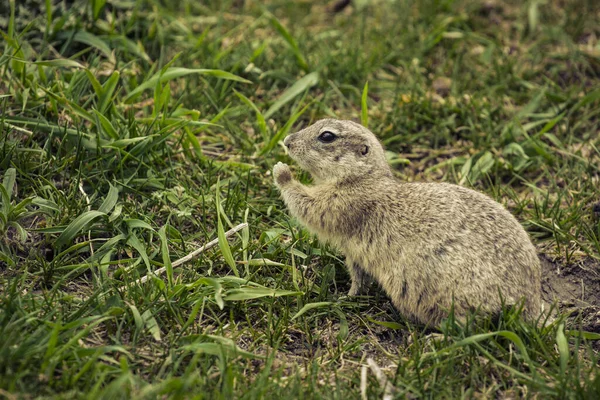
133	132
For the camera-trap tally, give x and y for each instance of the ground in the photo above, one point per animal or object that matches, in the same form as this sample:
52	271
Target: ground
134	132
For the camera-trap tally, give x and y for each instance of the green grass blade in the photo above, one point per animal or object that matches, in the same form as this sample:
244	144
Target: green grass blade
563	348
6	205
284	130
152	325
134	242
97	6
76	108
583	334
291	42
364	111
164	248
223	243
98	89
303	84
59	63
137	318
312	306
106	125
133	223
90	39
256	293
260	119
21	232
10	177
110	200
216	285
513	337
76	226
108	89
178	72
217	349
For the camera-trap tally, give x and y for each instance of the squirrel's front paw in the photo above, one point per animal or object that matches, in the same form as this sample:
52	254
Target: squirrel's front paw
282	174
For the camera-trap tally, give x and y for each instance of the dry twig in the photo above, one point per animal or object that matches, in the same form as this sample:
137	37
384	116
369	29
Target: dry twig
194	253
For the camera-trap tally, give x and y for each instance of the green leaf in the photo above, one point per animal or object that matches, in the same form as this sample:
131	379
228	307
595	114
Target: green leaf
6	206
284	131
110	200
217	287
364	111
52	341
291	42
134	242
63	62
88	38
246	240
223	243
45	205
583	334
177	72
533	15
164	248
303	84
515	149
591	97
8	259
10	177
563	348
513	337
465	170
106	125
551	125
344	330
76	108
518	157
97	6
116	213
482	166
122	143
20	230
484	163
260	119
95	83
135	48
76	226
255	293
107	247
151	325
217	349
531	107
104	100
387	324
310	306
20	208
137	223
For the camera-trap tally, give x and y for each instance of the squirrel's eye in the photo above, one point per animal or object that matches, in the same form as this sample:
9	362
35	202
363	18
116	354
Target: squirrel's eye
327	137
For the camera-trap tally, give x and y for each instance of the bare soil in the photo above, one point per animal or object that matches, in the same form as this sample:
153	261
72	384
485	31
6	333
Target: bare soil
576	290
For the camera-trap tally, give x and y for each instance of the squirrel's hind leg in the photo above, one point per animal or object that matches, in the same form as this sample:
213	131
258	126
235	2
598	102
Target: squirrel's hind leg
360	278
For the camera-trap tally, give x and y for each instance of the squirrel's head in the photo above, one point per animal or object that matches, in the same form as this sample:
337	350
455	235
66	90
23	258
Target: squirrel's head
336	150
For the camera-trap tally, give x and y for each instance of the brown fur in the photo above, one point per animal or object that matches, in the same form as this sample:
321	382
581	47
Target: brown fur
427	244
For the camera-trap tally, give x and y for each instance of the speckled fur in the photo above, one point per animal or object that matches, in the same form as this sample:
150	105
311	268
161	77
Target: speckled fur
426	244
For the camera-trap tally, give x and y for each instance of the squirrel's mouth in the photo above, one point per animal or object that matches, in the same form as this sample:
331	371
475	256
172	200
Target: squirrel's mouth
296	157
293	153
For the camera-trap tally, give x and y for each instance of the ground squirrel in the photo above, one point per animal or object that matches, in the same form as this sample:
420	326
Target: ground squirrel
429	245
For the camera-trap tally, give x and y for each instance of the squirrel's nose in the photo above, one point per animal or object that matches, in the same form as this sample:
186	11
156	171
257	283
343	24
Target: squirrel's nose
287	142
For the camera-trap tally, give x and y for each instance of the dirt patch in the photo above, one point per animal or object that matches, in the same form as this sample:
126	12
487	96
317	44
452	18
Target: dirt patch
575	289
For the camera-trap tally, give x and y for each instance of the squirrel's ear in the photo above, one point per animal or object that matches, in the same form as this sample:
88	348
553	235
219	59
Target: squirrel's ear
364	150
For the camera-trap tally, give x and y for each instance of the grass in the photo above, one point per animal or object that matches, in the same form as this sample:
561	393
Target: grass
133	132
